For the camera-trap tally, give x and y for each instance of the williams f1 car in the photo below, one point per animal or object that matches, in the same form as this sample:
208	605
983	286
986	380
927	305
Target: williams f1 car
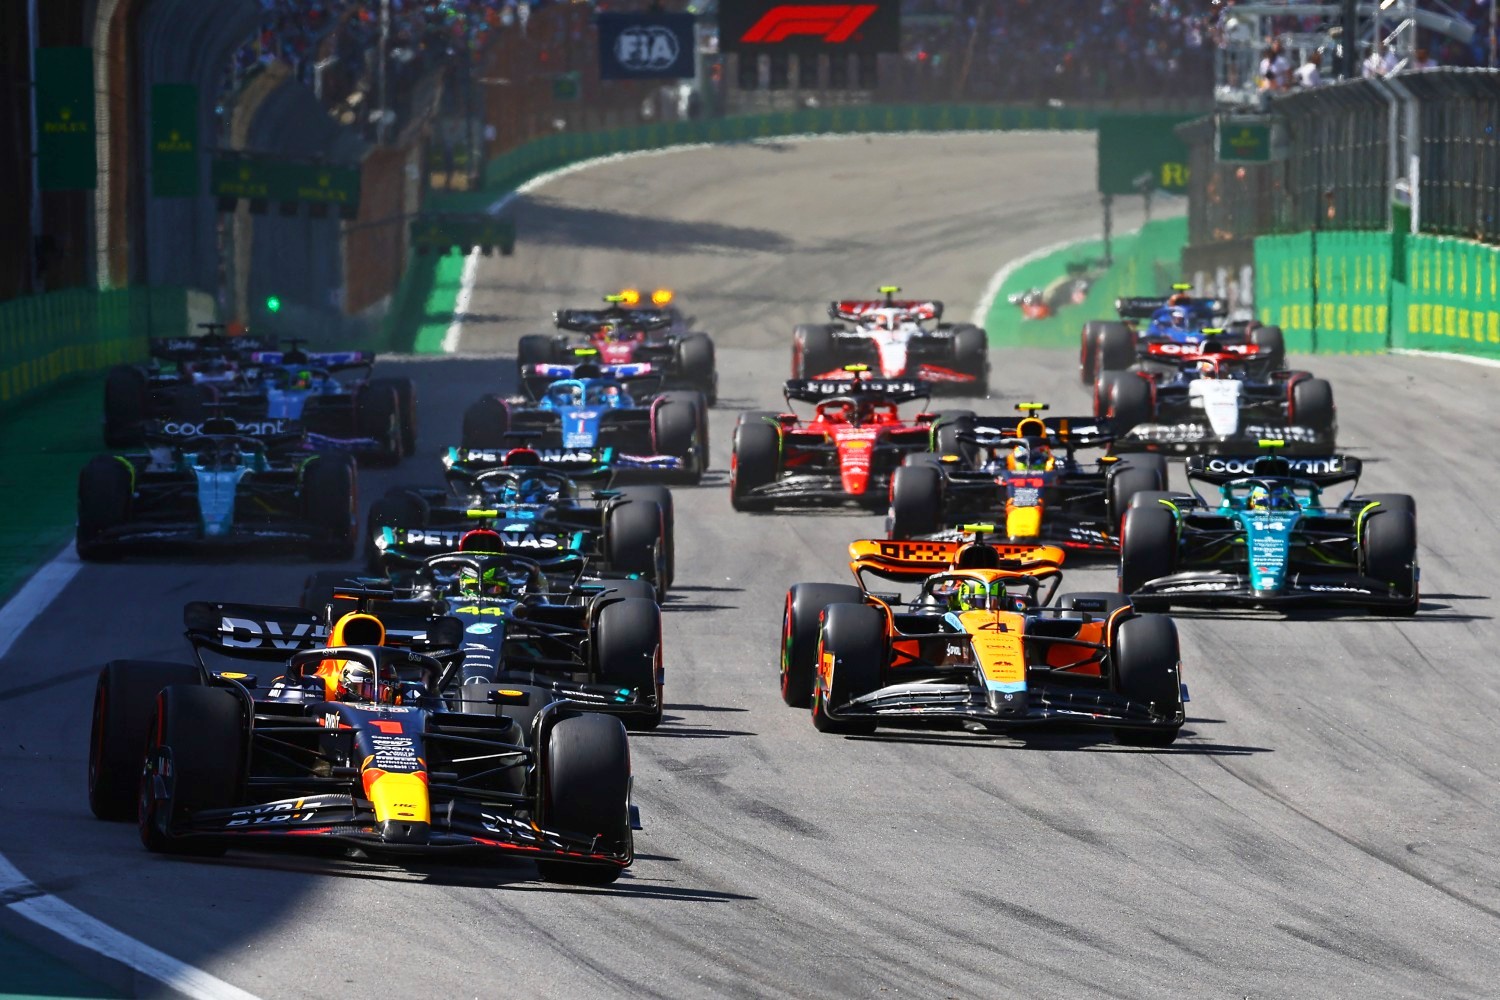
583	415
976	646
1178	319
221	487
1216	397
890	337
1025	475
1272	540
627	331
846	452
363	743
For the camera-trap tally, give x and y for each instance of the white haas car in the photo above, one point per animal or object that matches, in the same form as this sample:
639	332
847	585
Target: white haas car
896	338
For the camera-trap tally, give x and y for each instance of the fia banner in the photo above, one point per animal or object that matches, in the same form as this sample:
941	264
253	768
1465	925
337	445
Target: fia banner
646	47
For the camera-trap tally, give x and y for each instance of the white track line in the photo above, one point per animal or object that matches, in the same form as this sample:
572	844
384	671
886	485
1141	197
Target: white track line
36	596
24	899
1469	359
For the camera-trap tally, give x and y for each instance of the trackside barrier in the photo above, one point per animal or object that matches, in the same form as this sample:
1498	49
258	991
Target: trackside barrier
1451	299
45	339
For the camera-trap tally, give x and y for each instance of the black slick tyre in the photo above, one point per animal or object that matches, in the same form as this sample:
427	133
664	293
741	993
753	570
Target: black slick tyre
406	406
627	652
486	424
916	501
533	349
1145	668
1088	351
124	699
971	356
1271	344
755	460
1148	546
947	427
696	365
675	421
813	351
854	636
662	497
1129	403
800	622
1312	406
330	503
585	789
1132	475
105	490
633	541
1115	348
377	415
205	731
1388	551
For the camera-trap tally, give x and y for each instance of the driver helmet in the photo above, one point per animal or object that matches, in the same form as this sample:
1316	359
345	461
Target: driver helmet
1274	498
1178	299
839	411
613	331
1206	369
529	489
302	379
567	395
972	595
1031	457
480	540
360	682
483	583
1179	318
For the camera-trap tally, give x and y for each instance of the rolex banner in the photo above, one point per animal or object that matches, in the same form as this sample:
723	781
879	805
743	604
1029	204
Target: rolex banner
174	140
65	157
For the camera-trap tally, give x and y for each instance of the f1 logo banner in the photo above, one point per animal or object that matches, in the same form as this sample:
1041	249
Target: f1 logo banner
754	26
646	47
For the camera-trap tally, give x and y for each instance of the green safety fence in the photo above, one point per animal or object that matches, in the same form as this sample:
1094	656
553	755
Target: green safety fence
563	148
45	339
1451	298
1353	292
1284	287
1146	262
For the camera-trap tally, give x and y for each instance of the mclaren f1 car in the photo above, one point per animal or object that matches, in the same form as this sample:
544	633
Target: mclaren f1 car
977	644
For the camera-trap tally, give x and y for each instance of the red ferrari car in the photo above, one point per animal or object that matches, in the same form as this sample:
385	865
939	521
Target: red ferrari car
846	451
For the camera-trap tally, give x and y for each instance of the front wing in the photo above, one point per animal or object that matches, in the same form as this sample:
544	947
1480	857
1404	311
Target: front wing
945	704
1228	588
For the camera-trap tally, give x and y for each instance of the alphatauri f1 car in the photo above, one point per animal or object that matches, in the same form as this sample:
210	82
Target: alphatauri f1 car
1179	320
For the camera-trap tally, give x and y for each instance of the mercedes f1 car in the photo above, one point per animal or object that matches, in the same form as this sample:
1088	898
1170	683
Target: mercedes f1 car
1178	319
978	646
847	452
627	331
890	337
582	415
1217	397
536	512
365	742
525	621
1271	540
1022	472
215	485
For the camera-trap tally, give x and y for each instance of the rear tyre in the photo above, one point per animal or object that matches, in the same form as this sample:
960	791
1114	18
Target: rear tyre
330	502
1088	351
586	792
124	698
800	622
627	652
1388	548
633	541
1115	348
1148	546
947	427
105	489
486	424
1312	405
533	349
205	730
916	501
377	415
971	355
813	351
1133	475
1104	390
1271	343
662	497
124	407
755	460
695	362
406	406
1130	403
854	635
1146	668
675	420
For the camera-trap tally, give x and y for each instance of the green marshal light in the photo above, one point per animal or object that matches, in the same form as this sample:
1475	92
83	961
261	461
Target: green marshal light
273	303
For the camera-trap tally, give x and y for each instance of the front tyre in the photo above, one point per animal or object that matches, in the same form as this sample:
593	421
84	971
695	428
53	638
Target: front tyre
585	791
1147	670
853	639
800	623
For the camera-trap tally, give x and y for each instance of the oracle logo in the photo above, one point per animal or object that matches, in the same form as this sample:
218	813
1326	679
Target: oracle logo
831	23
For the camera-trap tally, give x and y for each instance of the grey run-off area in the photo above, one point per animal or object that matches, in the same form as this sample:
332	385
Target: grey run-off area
1324	827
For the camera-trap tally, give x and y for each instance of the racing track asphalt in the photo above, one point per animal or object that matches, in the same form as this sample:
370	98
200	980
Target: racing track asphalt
1324	827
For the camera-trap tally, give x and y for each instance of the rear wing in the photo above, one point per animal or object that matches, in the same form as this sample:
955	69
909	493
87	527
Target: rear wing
640	377
1071	432
327	360
855	310
213	344
894	559
590	320
1327	470
1143	307
578	463
269	432
815	390
270	632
